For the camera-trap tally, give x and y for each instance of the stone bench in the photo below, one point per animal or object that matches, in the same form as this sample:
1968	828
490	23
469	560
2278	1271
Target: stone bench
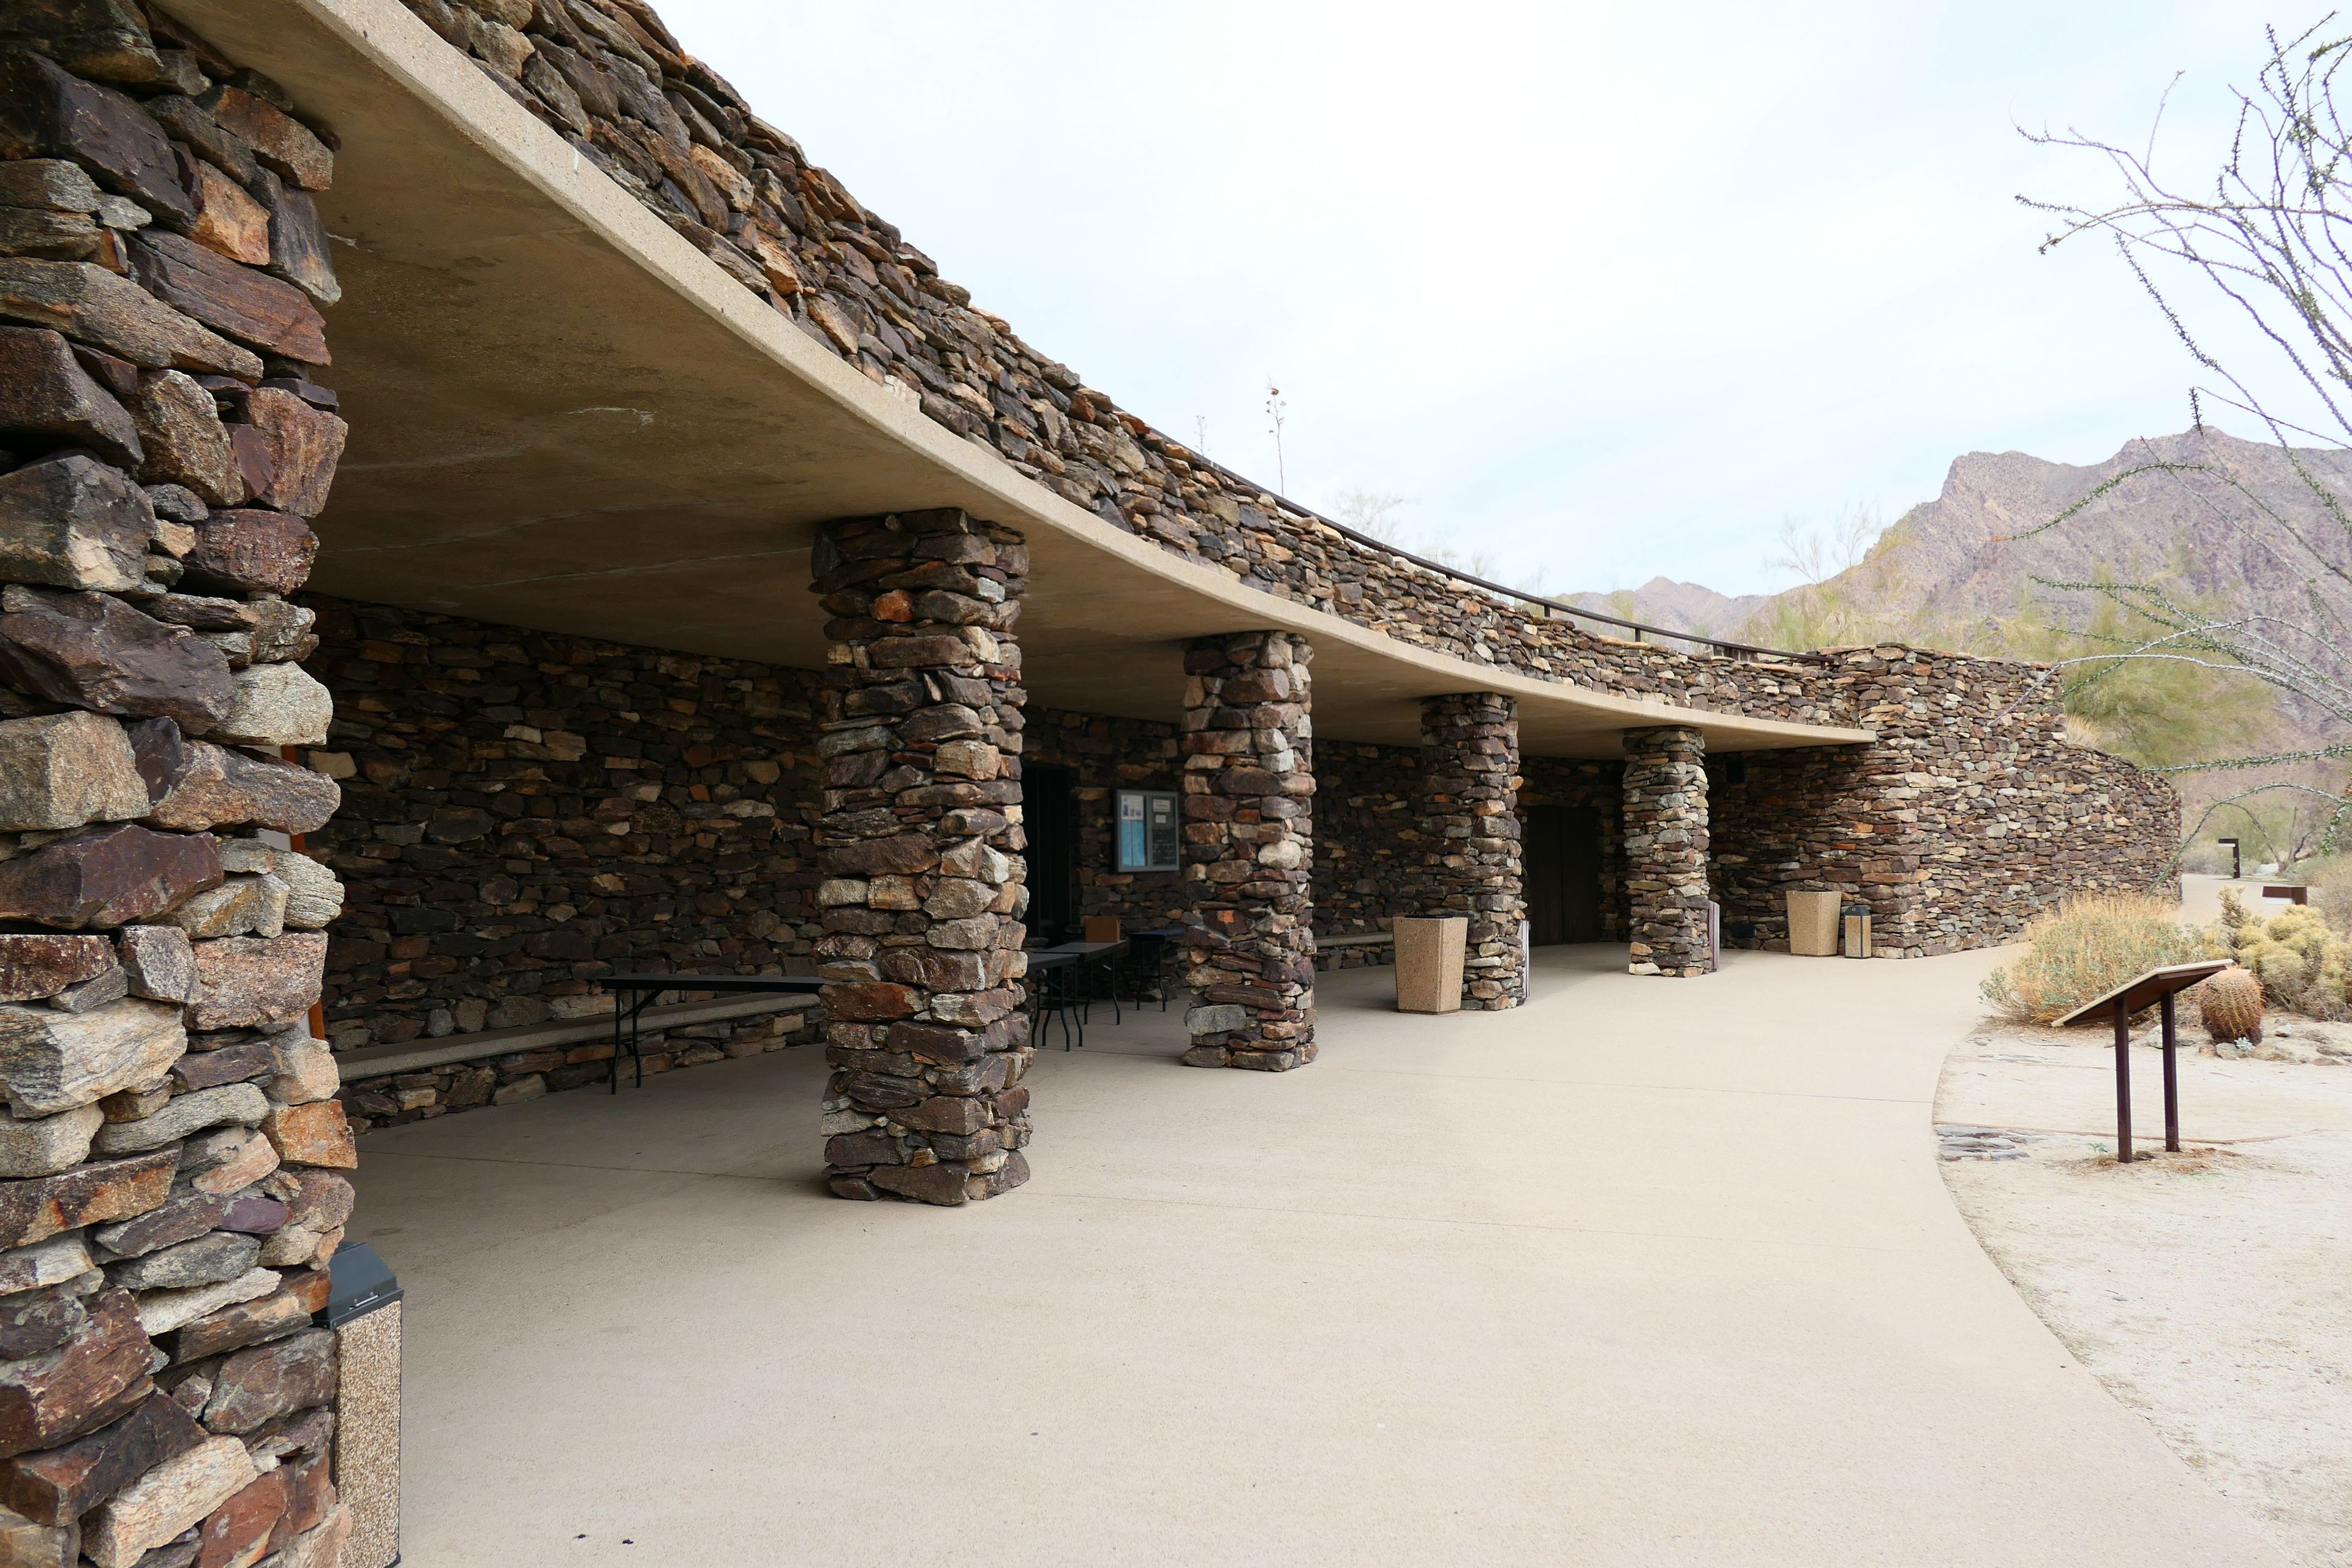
1354	949
383	1061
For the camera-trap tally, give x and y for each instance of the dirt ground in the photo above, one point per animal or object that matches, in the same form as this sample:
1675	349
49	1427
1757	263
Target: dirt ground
2211	1290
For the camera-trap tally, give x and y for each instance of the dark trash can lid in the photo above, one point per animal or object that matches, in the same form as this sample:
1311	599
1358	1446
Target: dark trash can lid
359	1283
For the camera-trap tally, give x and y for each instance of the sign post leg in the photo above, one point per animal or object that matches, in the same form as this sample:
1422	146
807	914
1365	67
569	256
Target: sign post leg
2171	1082
2123	1084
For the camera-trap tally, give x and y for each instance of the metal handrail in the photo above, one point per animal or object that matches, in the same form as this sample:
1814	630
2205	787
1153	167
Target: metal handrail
1517	596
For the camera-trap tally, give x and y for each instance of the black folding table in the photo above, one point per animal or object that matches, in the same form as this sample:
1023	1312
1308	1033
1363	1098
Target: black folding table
648	988
1047	967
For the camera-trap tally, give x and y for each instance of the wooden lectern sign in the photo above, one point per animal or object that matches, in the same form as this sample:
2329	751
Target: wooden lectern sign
2158	987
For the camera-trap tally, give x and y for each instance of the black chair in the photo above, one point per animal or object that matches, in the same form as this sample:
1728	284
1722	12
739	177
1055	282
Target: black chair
1052	994
1145	966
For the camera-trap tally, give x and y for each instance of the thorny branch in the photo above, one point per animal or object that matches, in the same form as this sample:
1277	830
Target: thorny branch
2271	244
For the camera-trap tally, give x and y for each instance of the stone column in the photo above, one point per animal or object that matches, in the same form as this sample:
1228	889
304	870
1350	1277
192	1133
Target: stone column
1249	851
920	843
1469	772
172	1151
1665	849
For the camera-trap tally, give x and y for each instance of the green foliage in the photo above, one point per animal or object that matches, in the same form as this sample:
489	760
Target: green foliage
1849	570
2085	947
2156	712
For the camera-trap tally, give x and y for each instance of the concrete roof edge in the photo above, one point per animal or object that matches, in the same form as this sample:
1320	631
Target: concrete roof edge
401	45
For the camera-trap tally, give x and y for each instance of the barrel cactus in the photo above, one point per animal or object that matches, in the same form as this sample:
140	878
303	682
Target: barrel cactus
2230	1006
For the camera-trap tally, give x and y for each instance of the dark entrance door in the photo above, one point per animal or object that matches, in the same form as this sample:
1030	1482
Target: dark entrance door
1561	872
1050	816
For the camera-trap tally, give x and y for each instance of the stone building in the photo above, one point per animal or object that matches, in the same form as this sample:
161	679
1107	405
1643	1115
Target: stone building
709	585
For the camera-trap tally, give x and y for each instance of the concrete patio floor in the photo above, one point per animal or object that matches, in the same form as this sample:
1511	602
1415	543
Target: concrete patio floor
1649	1271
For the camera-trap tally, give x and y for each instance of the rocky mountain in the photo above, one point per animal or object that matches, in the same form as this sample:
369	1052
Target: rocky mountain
2205	513
1951	569
1683	606
2191	512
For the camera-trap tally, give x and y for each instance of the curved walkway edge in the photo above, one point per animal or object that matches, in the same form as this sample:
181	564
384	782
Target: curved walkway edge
1646	1272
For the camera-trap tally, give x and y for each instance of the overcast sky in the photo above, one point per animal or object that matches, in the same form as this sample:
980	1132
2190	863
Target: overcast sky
1607	289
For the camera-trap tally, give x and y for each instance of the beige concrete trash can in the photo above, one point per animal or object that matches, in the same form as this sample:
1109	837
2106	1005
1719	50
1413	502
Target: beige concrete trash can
1813	924
1429	952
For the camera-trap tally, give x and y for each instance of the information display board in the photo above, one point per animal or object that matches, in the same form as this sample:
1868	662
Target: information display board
1148	831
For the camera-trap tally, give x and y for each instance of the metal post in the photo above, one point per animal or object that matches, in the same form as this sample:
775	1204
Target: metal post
2123	1084
2171	1082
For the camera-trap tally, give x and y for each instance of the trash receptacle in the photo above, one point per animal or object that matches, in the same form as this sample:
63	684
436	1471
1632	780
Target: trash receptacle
1813	924
364	1309
1429	953
1857	931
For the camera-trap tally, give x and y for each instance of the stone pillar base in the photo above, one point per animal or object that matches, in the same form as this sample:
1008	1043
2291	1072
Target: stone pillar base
1665	850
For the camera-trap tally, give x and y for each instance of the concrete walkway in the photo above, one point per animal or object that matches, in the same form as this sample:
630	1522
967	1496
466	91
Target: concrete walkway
1649	1272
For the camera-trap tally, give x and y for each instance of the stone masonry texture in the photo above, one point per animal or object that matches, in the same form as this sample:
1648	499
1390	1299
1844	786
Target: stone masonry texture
610	79
171	1156
1249	850
1971	814
524	813
1470	767
1666	846
920	843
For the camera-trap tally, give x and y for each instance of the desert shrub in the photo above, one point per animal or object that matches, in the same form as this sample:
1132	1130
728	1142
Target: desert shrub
2085	947
2303	962
2205	860
2331	889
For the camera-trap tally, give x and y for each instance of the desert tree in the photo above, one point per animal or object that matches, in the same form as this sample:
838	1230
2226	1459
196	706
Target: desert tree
2258	251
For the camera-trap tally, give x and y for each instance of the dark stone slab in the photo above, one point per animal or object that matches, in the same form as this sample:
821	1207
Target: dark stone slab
90	1380
45	392
94	651
115	876
257	1385
240	303
46	111
243	552
63	1483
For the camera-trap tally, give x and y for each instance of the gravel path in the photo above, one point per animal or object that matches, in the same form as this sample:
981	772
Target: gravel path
2210	1290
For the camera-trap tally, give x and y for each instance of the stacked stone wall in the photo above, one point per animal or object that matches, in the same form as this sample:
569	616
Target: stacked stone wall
1369	843
1107	755
1249	850
1971	814
608	78
1470	778
524	813
921	843
170	1149
1667	839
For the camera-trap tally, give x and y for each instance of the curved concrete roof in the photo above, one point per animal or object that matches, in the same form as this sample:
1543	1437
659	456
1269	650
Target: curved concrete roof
565	416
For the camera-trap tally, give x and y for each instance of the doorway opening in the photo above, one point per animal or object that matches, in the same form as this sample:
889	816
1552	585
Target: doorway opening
1049	813
1561	851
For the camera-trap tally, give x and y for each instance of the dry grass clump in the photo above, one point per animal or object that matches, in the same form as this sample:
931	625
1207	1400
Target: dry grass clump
2303	962
2085	947
2331	889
